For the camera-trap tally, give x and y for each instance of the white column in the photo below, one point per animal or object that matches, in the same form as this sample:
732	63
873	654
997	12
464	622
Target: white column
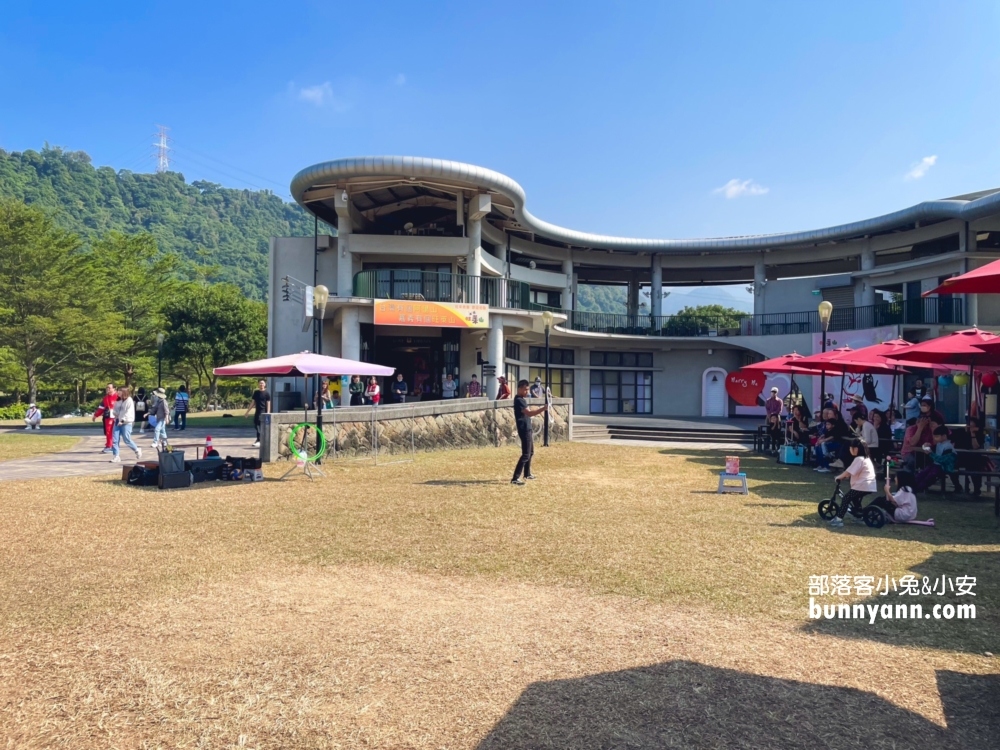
656	287
350	334
759	280
567	295
867	288
473	261
971	300
345	259
494	355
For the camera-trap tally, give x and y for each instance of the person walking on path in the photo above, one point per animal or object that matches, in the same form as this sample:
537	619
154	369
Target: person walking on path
33	418
181	403
160	415
260	402
105	411
124	414
449	388
522	419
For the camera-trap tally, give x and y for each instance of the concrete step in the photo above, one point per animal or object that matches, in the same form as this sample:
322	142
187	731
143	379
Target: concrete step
680	435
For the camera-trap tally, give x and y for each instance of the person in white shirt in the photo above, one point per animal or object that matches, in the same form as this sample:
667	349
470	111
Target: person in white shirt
900	506
861	472
124	416
33	418
449	388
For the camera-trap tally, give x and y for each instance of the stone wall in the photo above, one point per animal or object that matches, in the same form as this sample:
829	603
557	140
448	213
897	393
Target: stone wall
395	429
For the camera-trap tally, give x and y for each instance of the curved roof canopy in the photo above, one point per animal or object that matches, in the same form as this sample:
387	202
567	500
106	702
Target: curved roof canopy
379	186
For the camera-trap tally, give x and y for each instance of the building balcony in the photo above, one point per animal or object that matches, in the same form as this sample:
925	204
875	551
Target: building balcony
499	292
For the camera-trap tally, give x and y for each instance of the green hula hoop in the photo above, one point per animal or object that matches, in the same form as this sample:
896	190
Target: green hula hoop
295	450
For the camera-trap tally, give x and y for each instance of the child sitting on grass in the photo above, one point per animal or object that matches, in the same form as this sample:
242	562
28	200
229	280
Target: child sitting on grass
902	506
861	472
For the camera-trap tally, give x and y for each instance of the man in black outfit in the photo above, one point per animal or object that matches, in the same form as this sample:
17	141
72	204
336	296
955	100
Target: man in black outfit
522	418
261	404
399	388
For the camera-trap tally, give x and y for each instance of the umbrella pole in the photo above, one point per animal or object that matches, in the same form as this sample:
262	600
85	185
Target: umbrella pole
972	387
840	403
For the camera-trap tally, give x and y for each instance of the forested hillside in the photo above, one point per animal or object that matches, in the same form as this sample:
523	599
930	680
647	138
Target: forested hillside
200	221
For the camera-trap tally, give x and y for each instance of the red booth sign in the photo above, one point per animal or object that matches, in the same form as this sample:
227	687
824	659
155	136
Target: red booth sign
745	387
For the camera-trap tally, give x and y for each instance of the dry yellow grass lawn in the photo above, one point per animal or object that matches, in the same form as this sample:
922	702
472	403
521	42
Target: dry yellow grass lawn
616	602
22	445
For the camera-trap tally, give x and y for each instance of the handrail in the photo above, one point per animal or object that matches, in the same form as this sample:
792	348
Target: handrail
505	293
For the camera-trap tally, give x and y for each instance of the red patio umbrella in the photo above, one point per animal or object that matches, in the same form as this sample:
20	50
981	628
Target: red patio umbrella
784	363
959	349
985	280
841	360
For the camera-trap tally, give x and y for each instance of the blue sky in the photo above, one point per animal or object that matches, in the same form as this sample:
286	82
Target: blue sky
623	118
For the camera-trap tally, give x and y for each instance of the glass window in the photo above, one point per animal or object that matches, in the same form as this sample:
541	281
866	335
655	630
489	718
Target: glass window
613	359
597	359
512	350
620	392
628	360
561	381
644	360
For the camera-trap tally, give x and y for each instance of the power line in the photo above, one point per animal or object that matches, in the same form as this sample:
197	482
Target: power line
192	152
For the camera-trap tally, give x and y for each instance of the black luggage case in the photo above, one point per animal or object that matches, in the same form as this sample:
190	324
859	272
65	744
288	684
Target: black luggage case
171	462
176	480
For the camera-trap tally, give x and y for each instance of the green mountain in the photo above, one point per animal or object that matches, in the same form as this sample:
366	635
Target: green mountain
202	221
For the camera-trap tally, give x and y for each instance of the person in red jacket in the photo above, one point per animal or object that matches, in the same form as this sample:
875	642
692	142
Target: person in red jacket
104	410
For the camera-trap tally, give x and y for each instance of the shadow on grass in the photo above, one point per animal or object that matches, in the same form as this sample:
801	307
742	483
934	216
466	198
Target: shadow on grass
964	635
683	704
463	482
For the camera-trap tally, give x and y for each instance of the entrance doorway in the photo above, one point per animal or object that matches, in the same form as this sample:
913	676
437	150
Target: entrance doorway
714	399
423	360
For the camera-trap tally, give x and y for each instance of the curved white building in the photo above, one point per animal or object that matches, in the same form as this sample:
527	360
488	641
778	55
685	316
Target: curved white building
414	230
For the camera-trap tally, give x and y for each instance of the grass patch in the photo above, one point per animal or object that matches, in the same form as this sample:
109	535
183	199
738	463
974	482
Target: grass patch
16	445
411	604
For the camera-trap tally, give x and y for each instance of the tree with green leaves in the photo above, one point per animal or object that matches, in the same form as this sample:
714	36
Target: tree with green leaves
698	321
213	326
136	281
49	312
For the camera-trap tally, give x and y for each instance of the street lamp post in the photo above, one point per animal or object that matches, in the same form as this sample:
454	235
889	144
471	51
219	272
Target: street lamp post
825	311
321	295
547	322
159	360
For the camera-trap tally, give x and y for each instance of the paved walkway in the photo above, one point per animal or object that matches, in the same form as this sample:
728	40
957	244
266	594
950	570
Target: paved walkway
86	459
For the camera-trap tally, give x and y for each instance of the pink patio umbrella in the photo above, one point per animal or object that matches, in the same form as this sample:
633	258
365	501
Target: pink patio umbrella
301	365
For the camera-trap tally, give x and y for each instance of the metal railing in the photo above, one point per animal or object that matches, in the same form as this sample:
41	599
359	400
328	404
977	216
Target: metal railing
495	291
516	295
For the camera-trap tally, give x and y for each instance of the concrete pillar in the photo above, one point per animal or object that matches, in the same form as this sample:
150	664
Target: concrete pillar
759	282
867	287
345	259
494	355
568	291
656	287
473	261
971	300
632	296
350	334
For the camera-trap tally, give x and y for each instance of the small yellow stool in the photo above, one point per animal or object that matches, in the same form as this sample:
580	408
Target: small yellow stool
741	488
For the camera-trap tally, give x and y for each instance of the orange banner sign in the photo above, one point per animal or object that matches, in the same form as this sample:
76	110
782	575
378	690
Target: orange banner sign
391	312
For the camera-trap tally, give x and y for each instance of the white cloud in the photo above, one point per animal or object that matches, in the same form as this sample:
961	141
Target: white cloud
318	95
735	188
919	169
400	80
